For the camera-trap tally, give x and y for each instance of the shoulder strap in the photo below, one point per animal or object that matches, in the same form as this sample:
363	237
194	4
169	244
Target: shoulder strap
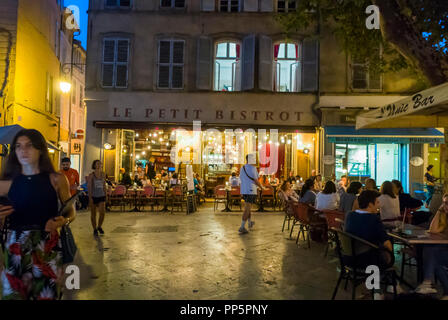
244	168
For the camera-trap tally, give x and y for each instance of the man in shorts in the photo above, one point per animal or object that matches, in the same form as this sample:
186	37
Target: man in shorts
249	183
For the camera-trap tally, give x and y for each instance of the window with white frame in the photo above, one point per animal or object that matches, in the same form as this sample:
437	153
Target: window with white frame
115	63
287	67
125	4
229	5
227	75
171	64
286	5
172	3
363	77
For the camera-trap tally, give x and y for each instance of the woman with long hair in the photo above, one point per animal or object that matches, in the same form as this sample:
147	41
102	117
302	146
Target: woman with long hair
328	199
389	204
32	262
96	184
307	194
413	204
349	201
288	193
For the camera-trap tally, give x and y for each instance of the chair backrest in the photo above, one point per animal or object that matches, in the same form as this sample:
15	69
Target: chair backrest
220	191
350	245
148	191
269	191
177	190
235	191
119	190
334	218
289	207
302	212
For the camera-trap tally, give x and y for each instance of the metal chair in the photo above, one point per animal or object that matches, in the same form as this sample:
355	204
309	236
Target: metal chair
287	208
148	196
267	195
349	249
178	198
335	219
235	196
118	197
303	216
220	196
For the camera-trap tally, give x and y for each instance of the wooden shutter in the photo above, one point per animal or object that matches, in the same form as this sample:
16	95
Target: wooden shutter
111	3
208	5
122	64
204	63
251	5
108	63
248	59
266	5
164	64
310	56
265	79
177	78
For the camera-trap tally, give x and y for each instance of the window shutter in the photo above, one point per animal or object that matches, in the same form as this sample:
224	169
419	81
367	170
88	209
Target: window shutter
123	51
310	56
164	68
111	3
164	51
177	79
208	5
374	80
266	6
109	51
204	63
266	62
251	5
359	76
178	52
125	3
122	76
108	75
247	82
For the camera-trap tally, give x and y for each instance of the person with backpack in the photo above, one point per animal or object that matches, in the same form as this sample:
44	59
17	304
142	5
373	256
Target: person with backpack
249	183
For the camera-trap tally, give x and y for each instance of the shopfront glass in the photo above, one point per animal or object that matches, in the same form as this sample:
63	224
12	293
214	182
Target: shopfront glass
360	161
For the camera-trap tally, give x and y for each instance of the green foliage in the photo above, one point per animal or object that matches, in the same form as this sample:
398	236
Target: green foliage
346	19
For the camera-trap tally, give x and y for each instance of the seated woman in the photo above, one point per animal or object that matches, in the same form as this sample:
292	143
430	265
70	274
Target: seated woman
174	180
389	205
288	192
328	199
307	194
408	202
348	200
435	257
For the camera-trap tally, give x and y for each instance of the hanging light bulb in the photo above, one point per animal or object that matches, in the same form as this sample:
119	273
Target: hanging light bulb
149	147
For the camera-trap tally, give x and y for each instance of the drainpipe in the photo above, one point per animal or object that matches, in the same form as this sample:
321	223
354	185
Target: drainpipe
315	108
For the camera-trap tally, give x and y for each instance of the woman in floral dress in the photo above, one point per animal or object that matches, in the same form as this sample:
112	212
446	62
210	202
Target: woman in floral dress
32	257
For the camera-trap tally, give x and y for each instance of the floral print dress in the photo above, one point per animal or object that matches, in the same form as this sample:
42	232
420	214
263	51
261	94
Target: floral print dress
32	266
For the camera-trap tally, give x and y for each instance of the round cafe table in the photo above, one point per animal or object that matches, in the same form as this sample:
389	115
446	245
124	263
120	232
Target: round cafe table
137	192
227	208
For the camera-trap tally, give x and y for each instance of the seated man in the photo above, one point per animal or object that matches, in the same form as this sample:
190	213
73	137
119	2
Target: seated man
234	180
365	223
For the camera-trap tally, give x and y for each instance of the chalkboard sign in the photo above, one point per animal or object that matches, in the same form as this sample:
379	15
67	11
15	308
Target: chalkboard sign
190	204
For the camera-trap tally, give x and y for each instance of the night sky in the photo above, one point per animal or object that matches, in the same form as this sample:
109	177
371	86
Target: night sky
83	7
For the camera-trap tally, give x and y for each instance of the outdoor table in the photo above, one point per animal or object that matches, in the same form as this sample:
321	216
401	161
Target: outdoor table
227	208
418	237
165	200
136	192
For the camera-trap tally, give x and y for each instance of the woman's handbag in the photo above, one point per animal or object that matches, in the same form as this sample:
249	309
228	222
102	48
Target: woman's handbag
68	245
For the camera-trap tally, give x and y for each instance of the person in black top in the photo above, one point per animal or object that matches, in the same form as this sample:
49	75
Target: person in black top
430	183
125	178
33	188
366	224
151	170
408	202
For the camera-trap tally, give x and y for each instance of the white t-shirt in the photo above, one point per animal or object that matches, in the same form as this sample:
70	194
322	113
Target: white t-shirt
389	208
327	201
247	185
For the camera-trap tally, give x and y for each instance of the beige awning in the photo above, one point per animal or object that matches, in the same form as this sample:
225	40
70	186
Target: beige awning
428	108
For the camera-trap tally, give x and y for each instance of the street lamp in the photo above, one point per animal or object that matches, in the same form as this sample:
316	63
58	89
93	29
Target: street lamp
65	86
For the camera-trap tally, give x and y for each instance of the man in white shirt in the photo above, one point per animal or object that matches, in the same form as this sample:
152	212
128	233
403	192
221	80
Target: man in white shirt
234	181
249	183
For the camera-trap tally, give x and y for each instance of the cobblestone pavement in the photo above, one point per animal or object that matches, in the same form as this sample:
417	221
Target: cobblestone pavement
200	256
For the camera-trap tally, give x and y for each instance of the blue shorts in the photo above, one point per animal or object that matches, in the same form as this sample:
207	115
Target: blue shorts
250	198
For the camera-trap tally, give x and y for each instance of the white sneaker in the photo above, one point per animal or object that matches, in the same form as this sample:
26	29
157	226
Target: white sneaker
251	224
444	298
242	230
425	288
390	289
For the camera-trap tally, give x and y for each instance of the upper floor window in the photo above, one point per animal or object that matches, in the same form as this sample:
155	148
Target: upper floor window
286	5
115	63
227	67
287	67
229	5
172	3
118	3
363	77
171	64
